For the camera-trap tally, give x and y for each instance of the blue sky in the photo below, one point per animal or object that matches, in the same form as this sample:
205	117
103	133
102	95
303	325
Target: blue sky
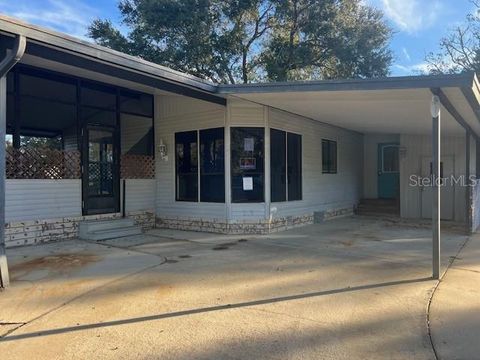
418	24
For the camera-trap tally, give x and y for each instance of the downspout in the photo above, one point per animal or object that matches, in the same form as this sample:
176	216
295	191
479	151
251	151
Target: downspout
7	63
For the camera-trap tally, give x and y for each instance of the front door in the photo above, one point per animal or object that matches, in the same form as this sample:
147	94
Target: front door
388	171
101	186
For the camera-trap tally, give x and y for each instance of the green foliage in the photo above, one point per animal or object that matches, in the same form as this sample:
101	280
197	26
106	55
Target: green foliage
252	40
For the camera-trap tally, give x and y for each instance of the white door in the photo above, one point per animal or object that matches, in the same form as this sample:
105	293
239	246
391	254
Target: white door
447	192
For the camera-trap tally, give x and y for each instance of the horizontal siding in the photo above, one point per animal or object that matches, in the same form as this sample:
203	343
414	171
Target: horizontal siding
42	199
416	148
140	194
245	113
322	191
174	114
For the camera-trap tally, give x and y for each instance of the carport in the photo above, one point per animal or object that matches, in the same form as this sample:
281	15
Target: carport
433	106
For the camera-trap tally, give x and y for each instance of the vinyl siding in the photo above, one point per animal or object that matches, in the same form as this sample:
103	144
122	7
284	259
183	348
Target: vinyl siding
175	114
322	191
140	194
416	148
42	199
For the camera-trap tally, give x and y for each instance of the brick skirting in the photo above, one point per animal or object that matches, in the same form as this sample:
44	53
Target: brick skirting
40	231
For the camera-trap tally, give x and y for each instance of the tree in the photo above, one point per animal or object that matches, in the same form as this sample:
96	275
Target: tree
252	40
460	50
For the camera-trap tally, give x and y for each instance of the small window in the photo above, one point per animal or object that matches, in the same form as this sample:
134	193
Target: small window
247	164
186	160
212	165
329	156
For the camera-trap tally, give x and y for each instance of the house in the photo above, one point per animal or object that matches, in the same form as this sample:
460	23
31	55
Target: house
92	134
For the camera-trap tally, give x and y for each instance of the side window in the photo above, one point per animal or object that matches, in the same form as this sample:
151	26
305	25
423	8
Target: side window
329	156
186	162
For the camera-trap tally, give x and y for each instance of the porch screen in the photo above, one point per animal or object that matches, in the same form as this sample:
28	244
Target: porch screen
247	164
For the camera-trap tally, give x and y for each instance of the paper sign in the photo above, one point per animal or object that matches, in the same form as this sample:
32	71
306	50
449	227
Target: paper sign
247	183
248	144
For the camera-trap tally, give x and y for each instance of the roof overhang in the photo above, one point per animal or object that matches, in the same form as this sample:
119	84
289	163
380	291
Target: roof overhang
63	49
386	105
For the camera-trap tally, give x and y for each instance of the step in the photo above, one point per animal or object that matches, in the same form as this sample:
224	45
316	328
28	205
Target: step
85	227
114	233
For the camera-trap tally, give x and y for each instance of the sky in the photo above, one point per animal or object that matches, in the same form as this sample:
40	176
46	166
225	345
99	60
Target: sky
418	24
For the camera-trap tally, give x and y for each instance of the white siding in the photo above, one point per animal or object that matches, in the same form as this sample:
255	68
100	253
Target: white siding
42	199
174	114
417	147
370	170
322	191
140	194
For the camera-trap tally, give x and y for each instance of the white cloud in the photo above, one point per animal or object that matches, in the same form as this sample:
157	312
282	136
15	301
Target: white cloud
410	15
415	69
406	54
71	17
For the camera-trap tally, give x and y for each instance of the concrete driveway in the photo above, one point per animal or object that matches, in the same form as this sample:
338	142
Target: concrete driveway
351	288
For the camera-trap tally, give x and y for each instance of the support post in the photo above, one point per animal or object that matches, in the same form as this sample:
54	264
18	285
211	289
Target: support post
5	65
4	277
468	190
436	133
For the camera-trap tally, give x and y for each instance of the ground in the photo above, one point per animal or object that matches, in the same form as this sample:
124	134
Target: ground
351	288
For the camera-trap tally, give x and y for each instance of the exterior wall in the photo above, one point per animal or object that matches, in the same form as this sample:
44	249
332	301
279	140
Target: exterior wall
329	194
417	147
42	199
174	114
370	162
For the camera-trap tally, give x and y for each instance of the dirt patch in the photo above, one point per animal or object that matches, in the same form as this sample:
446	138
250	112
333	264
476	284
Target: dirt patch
171	261
242	240
56	262
184	256
347	242
220	247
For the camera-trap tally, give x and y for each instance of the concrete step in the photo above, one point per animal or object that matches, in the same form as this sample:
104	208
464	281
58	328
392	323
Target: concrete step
107	229
96	225
113	234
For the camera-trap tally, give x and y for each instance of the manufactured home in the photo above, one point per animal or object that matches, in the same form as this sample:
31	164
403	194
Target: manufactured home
93	135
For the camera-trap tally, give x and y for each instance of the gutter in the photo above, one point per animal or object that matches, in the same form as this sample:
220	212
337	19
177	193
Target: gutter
5	65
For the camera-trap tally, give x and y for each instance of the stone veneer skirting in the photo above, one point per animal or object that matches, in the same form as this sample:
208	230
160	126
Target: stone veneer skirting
39	231
261	226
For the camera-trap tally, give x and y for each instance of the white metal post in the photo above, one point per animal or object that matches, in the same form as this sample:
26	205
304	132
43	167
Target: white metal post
436	132
4	277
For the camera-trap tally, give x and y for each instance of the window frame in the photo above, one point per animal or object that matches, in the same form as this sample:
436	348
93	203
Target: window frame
330	170
286	133
199	165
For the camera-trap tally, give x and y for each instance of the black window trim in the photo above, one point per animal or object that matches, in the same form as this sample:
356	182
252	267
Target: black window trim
198	201
286	168
330	171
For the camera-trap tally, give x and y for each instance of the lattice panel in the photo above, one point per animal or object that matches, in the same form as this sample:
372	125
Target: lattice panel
137	167
42	163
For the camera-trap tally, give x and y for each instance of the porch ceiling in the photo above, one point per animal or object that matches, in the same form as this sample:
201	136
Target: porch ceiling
367	107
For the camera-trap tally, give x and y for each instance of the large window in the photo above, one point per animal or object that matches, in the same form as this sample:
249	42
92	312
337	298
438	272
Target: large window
247	147
329	156
286	166
212	165
206	156
186	161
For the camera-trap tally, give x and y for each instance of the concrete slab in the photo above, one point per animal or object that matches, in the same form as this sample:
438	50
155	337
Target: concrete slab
455	308
344	289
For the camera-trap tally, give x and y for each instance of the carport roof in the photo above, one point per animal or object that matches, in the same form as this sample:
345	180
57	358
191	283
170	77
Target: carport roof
384	105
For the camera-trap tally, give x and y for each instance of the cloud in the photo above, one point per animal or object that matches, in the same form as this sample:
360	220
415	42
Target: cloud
410	15
71	17
415	69
406	54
